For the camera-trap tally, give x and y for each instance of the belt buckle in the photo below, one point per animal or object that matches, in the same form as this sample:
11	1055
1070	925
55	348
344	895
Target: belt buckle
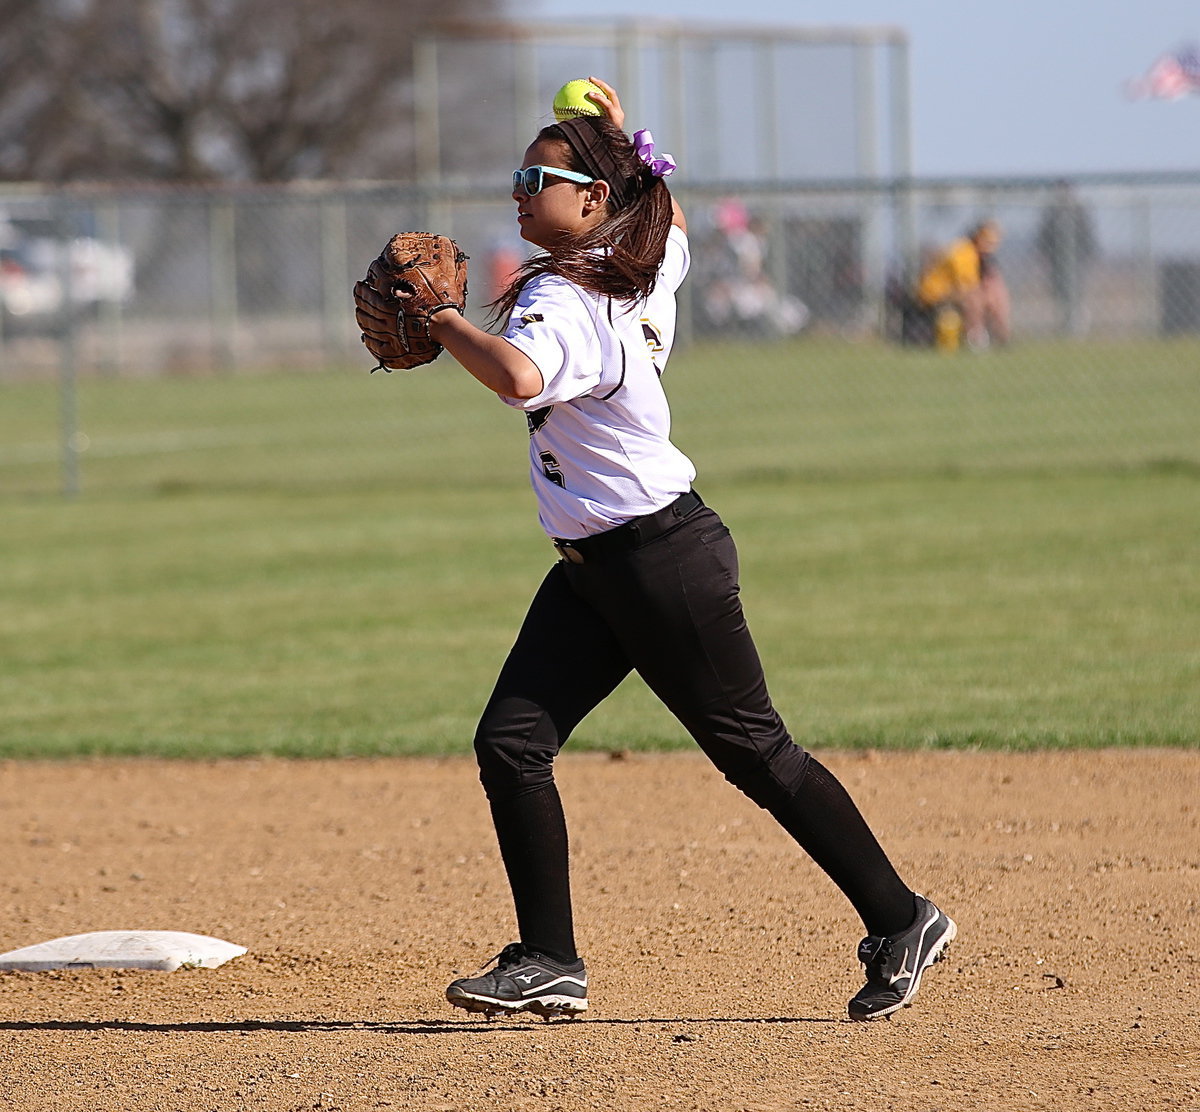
568	552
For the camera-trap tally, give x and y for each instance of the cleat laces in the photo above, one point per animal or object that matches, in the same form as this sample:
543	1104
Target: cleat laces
512	954
874	952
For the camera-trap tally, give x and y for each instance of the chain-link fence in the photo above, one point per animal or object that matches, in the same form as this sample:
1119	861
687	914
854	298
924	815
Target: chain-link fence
139	284
179	280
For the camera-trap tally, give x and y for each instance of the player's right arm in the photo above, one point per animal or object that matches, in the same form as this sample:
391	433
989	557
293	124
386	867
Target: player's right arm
611	104
677	215
492	360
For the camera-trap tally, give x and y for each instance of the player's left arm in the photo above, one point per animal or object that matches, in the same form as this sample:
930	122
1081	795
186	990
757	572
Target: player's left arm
677	217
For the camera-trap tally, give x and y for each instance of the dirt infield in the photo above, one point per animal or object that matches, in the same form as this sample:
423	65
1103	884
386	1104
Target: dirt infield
721	959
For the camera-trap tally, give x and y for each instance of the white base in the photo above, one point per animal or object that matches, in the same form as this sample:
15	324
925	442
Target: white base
166	950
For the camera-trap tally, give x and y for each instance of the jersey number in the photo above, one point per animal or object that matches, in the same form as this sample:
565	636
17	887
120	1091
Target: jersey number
551	469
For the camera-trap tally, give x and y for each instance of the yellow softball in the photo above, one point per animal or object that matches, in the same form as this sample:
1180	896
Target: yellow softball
571	100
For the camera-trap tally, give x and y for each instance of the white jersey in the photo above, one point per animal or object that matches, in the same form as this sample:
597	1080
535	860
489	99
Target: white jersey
599	432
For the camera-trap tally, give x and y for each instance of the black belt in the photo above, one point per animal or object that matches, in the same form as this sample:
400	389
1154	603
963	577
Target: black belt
630	535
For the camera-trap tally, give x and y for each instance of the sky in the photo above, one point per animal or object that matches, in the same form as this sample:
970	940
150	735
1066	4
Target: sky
1009	87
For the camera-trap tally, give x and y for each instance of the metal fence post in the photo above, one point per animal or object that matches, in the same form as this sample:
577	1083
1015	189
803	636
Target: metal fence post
223	299
111	308
874	253
68	354
1146	282
906	231
334	274
425	110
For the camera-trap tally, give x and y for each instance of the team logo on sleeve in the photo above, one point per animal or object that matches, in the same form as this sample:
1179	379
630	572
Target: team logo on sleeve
654	340
530	318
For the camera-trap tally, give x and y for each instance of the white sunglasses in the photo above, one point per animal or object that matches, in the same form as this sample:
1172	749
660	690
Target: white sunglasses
530	181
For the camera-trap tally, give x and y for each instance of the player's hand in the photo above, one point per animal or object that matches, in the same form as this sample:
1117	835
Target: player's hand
610	102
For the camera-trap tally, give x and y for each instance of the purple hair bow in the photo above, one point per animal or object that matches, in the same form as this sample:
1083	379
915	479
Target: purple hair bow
643	143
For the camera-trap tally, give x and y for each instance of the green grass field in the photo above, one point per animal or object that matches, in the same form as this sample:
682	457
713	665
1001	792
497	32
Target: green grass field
993	551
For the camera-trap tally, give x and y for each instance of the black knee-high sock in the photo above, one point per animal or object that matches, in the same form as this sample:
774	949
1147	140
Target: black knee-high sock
532	832
823	818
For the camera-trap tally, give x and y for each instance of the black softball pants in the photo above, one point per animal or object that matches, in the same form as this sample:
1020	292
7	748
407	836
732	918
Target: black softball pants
670	609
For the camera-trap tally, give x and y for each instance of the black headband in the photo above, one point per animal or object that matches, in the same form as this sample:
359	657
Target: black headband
592	150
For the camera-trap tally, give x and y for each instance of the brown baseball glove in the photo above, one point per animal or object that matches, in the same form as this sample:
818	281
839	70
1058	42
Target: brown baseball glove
416	274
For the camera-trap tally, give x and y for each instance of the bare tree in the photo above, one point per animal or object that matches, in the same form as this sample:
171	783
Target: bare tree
196	90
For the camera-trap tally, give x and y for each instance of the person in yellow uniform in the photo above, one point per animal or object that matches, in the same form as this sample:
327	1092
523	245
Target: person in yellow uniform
963	293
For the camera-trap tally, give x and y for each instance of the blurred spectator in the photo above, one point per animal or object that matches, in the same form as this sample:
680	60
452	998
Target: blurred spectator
962	294
997	305
1067	243
739	295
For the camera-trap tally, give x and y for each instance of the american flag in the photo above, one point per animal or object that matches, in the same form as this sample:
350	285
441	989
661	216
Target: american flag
1171	77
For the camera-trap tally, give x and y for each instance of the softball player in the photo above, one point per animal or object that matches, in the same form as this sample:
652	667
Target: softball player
647	578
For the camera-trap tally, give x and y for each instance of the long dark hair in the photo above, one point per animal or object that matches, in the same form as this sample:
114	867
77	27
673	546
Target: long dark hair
620	256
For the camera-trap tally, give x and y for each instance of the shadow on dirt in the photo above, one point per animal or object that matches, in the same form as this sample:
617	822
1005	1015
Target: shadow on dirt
382	1027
